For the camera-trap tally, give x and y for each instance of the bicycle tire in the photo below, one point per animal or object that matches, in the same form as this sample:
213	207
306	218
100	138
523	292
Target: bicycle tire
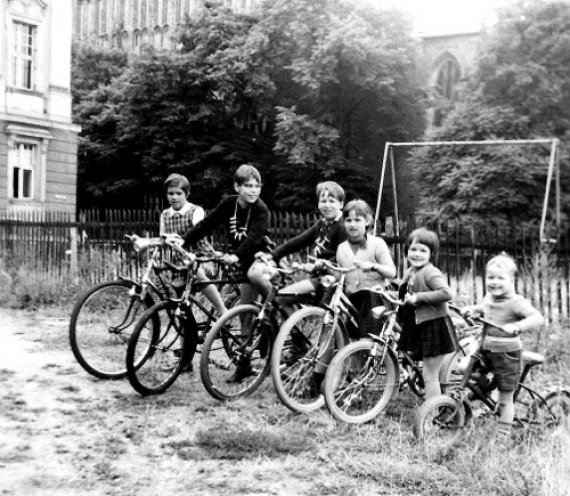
439	421
101	323
297	351
451	373
160	346
226	347
358	384
553	411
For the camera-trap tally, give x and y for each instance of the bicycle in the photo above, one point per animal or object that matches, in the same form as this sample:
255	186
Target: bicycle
366	374
243	339
441	420
104	315
167	335
307	341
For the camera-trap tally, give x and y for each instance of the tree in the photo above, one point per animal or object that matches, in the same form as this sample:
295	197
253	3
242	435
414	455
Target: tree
520	90
308	89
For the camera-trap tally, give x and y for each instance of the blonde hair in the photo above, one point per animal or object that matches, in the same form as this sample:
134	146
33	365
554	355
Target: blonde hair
503	261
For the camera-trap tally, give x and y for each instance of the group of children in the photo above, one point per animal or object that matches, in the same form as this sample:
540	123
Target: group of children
343	233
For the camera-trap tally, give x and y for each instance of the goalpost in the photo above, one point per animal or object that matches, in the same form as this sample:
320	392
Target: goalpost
553	173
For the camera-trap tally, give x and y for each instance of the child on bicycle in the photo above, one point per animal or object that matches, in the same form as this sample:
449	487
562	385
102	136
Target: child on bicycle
427	331
245	218
177	219
322	239
371	257
502	354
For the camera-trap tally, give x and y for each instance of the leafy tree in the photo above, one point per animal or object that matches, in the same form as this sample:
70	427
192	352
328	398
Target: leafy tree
308	90
520	90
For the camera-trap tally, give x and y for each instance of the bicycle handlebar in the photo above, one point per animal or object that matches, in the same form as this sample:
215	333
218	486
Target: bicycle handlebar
385	294
473	318
332	266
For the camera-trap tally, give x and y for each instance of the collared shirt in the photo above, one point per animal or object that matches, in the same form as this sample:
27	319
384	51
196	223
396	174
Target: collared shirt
179	221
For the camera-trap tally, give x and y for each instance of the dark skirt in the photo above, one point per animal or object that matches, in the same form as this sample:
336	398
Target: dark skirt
431	338
364	301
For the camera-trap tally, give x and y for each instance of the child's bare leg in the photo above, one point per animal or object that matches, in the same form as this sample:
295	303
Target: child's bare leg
432	365
297	288
259	275
507	406
211	292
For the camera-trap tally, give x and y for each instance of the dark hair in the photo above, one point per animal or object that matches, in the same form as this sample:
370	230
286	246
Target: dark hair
245	172
361	208
425	237
333	189
177	181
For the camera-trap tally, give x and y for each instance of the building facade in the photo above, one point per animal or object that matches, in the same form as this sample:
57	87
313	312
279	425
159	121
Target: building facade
133	24
38	141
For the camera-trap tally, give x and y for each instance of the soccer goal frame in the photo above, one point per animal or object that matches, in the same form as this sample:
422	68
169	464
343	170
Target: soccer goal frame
552	175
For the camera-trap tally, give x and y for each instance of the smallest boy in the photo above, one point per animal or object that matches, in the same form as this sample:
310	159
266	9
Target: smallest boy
515	314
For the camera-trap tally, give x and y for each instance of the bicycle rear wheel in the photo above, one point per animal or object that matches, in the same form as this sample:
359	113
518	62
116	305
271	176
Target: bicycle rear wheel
101	324
439	421
162	343
235	354
303	345
360	382
552	411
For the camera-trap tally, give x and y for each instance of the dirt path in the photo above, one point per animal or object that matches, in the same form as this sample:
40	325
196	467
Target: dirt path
64	433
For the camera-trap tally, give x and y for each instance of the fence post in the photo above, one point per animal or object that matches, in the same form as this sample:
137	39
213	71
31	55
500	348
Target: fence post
73	261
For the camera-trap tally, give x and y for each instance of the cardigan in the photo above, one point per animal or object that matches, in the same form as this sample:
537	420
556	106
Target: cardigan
374	250
245	227
431	290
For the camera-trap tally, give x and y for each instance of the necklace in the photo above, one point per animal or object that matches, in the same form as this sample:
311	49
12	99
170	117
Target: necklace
239	233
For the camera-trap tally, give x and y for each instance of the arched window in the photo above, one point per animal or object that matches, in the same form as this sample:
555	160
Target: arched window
446	77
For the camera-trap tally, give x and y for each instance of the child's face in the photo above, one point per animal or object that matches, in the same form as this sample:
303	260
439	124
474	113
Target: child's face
355	226
418	255
176	197
329	206
499	281
248	192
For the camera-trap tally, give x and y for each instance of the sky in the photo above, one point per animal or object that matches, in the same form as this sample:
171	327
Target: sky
447	16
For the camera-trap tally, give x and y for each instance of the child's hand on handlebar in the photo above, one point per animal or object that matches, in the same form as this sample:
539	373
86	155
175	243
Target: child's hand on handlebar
471	313
410	299
230	259
513	329
174	238
364	265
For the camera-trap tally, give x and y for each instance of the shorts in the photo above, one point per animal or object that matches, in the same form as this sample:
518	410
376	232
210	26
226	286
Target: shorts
506	366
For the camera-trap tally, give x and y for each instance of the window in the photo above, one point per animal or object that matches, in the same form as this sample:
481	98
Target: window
22	169
447	78
23	56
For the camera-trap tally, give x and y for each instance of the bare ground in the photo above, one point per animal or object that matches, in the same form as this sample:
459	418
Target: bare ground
63	432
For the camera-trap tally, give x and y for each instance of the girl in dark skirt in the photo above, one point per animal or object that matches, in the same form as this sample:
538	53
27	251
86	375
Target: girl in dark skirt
428	333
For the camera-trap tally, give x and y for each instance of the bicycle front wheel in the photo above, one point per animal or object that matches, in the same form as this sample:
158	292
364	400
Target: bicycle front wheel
439	421
162	343
235	354
101	324
304	345
360	381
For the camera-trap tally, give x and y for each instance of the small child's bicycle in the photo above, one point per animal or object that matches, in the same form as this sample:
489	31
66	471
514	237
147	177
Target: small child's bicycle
441	420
